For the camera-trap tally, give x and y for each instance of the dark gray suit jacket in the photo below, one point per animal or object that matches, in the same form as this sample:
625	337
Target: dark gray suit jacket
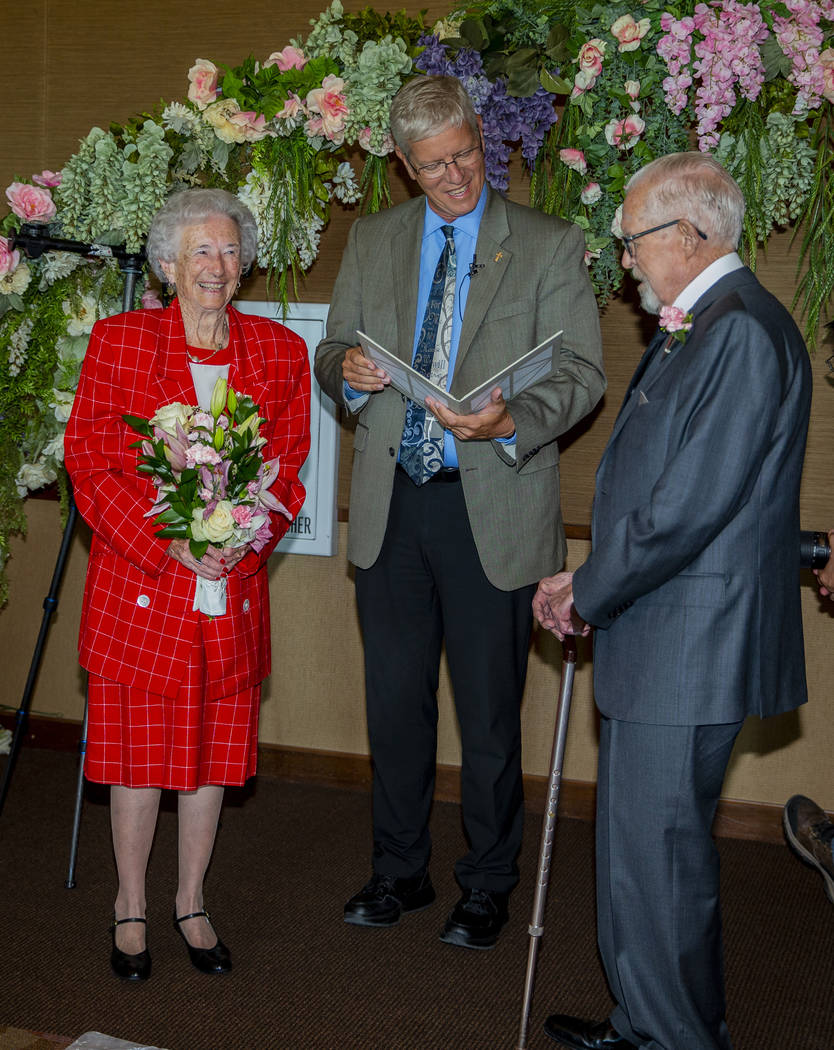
694	572
533	283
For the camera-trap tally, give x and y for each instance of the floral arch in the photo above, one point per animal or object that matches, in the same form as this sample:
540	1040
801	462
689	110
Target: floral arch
588	92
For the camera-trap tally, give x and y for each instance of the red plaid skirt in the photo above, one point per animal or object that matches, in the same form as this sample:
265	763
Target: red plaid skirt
140	740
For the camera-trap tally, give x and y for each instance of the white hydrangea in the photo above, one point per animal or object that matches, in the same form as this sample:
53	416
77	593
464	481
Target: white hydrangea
57	265
305	239
181	119
18	345
344	186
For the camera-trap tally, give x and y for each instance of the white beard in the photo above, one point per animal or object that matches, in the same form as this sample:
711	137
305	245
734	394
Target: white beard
648	300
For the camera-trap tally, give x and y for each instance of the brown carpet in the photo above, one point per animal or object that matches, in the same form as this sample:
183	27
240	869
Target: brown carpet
17	1039
288	855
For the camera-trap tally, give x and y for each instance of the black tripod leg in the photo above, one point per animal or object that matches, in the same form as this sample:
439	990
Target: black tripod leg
50	604
79	798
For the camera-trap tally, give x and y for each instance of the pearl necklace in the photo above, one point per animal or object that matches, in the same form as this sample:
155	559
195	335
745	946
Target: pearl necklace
223	343
202	360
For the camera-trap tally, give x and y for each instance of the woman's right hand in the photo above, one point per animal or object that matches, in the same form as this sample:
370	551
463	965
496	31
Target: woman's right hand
211	566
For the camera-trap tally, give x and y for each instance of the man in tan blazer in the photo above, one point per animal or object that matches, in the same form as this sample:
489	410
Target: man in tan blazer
454	555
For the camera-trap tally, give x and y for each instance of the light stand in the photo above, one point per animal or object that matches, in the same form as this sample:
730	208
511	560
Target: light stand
35	240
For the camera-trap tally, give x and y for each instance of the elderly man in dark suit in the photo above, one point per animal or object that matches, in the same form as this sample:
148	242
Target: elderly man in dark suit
692	584
453	518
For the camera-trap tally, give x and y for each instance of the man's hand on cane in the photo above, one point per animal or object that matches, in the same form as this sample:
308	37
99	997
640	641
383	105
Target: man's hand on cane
554	609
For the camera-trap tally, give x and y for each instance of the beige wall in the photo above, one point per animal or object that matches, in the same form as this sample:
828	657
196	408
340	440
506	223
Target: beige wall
69	66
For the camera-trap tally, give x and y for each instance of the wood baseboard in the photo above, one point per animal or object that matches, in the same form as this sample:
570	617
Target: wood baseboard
758	821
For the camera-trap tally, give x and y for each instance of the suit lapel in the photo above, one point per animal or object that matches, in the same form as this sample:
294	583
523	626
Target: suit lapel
406	244
248	368
174	378
648	370
492	233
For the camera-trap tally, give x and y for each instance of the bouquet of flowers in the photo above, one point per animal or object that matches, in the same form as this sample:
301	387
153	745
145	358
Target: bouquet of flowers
211	478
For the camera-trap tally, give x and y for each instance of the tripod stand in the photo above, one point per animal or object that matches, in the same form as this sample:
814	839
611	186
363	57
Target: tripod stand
34	240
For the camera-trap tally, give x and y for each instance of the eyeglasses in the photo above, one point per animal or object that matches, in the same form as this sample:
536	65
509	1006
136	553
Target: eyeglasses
435	168
629	239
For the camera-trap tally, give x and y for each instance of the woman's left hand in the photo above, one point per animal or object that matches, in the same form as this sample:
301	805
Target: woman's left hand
216	562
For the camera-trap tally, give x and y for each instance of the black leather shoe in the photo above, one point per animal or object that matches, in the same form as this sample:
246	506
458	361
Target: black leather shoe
585	1035
476	920
206	960
129	967
385	898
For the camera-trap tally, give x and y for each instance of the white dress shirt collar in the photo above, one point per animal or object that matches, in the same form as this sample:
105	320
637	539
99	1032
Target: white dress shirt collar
706	279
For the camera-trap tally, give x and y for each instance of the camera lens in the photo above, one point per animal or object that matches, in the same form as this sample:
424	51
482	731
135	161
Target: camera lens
814	550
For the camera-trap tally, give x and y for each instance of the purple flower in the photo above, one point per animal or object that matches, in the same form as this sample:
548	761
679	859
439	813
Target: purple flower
506	119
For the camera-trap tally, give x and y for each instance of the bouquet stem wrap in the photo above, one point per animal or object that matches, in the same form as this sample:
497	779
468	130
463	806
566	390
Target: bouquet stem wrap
210	596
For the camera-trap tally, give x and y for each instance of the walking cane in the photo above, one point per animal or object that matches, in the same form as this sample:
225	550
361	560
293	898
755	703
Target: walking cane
536	928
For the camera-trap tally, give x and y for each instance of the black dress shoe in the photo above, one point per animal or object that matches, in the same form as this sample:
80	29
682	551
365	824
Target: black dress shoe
385	898
206	960
129	967
585	1035
476	920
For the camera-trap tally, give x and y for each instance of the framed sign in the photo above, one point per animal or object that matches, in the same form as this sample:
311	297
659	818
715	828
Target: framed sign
314	530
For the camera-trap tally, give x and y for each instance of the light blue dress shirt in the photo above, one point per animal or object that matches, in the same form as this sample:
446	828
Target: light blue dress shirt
466	237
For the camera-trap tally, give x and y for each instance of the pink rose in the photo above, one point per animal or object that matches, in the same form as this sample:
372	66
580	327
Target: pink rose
288	58
591	193
624	133
8	258
590	56
243	516
292	108
582	82
827	63
616	223
253	125
48	178
632	89
203	88
329	103
150	300
575	159
673	319
30	203
629	33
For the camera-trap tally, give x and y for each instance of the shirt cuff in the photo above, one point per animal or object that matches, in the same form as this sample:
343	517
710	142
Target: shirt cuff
355	400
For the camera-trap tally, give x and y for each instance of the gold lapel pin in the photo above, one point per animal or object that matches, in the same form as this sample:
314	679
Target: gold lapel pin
498	256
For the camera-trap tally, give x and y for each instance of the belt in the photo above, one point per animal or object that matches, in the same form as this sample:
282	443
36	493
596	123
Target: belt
444	474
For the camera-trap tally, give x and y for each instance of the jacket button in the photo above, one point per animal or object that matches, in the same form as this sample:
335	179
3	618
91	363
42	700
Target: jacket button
246	605
392	452
143	601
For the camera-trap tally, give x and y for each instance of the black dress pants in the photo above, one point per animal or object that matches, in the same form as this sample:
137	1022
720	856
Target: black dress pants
427	587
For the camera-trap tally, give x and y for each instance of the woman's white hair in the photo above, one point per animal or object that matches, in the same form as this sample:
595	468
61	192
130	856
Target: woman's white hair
189	207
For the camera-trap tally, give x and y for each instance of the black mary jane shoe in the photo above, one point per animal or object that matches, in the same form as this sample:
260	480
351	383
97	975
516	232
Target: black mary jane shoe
206	960
129	967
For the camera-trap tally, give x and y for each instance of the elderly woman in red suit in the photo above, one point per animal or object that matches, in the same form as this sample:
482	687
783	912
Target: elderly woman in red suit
173	693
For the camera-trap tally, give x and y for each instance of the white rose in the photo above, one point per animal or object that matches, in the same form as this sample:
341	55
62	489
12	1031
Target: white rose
167	417
218	527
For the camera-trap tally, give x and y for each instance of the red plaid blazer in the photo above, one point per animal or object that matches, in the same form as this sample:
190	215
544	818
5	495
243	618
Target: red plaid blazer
137	623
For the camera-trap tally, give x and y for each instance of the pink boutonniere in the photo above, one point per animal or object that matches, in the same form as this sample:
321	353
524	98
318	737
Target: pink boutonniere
674	321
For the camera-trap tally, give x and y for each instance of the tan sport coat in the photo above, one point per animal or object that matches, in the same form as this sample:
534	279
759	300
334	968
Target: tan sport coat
533	283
